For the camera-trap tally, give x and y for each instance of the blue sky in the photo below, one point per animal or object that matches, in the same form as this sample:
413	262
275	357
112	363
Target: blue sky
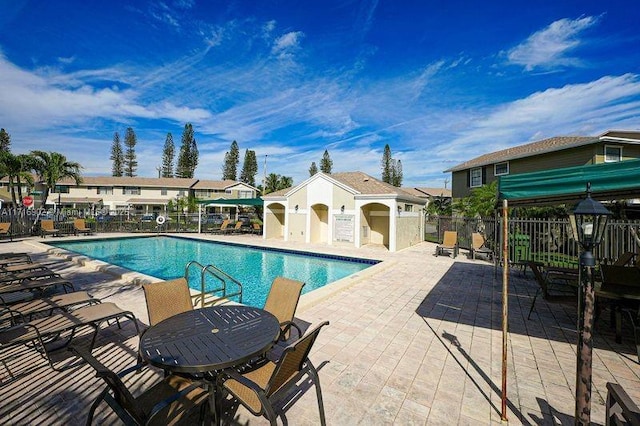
439	81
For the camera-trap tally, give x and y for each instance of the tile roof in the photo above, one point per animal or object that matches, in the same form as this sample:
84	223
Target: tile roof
428	192
183	183
278	193
535	148
367	185
132	181
161	201
79	200
214	184
623	135
360	182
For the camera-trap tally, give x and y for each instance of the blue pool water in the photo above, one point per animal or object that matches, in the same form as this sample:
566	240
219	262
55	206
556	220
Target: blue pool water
166	257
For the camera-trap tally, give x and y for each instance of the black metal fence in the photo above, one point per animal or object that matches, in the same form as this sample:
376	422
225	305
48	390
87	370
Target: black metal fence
549	241
26	222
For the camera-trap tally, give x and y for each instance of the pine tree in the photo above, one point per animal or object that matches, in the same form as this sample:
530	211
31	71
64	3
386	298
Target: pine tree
5	141
326	164
188	157
249	168
387	166
396	179
231	160
168	154
130	162
117	157
313	169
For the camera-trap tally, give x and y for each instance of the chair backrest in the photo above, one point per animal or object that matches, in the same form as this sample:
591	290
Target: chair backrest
450	238
620	408
79	224
477	240
292	360
624	258
225	223
238	225
121	394
47	224
166	299
256	226
283	298
4	227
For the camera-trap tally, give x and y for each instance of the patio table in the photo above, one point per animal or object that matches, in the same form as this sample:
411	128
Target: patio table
209	339
621	285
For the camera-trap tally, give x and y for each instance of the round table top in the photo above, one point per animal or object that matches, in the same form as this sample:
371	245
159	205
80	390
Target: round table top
209	339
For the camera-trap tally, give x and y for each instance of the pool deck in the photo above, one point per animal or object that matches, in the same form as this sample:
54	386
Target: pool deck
414	340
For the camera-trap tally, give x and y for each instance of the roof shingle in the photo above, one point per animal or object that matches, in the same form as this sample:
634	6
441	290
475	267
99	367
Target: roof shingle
534	148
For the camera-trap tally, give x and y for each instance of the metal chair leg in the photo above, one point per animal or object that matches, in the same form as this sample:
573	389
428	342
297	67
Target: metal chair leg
533	303
316	380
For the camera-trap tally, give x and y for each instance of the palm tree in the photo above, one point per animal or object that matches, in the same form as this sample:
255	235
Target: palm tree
275	182
52	167
7	169
16	167
285	182
26	165
271	183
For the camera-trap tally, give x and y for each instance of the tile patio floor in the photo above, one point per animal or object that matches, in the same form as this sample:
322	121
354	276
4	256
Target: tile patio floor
415	340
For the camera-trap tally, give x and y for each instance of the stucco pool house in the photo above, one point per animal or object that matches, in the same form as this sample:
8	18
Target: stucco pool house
350	208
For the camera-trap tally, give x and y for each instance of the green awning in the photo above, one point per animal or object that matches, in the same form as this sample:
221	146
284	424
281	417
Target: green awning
609	181
234	201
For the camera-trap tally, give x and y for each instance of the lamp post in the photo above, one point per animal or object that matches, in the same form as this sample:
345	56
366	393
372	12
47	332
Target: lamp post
588	222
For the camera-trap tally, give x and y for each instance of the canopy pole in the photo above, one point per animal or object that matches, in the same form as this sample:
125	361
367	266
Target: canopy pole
505	303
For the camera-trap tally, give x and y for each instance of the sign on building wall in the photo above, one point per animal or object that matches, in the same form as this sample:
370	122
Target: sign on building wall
343	226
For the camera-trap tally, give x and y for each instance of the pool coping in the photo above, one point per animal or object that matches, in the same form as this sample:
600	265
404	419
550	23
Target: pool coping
307	300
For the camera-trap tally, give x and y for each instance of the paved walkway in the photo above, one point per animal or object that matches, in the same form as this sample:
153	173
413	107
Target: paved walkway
414	340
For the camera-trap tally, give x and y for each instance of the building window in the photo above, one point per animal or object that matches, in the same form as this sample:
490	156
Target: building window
131	190
227	191
475	177
61	189
105	190
163	191
612	154
501	168
181	193
244	194
408	207
202	193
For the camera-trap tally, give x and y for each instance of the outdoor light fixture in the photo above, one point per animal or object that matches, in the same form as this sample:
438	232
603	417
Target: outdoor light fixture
296	208
399	210
342	209
588	222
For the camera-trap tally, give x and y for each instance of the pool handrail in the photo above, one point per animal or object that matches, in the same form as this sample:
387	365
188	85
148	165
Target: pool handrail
218	274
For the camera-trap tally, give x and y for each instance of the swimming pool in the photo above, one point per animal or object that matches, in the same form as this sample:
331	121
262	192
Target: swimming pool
165	257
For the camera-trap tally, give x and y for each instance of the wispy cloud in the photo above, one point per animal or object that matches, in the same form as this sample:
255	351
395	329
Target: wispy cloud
550	47
365	17
67	60
47	104
161	12
286	45
583	109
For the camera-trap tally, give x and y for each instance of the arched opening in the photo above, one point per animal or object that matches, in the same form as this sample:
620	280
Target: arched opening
319	224
375	220
274	218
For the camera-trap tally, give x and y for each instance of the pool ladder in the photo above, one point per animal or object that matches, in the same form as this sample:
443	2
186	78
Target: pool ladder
211	297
